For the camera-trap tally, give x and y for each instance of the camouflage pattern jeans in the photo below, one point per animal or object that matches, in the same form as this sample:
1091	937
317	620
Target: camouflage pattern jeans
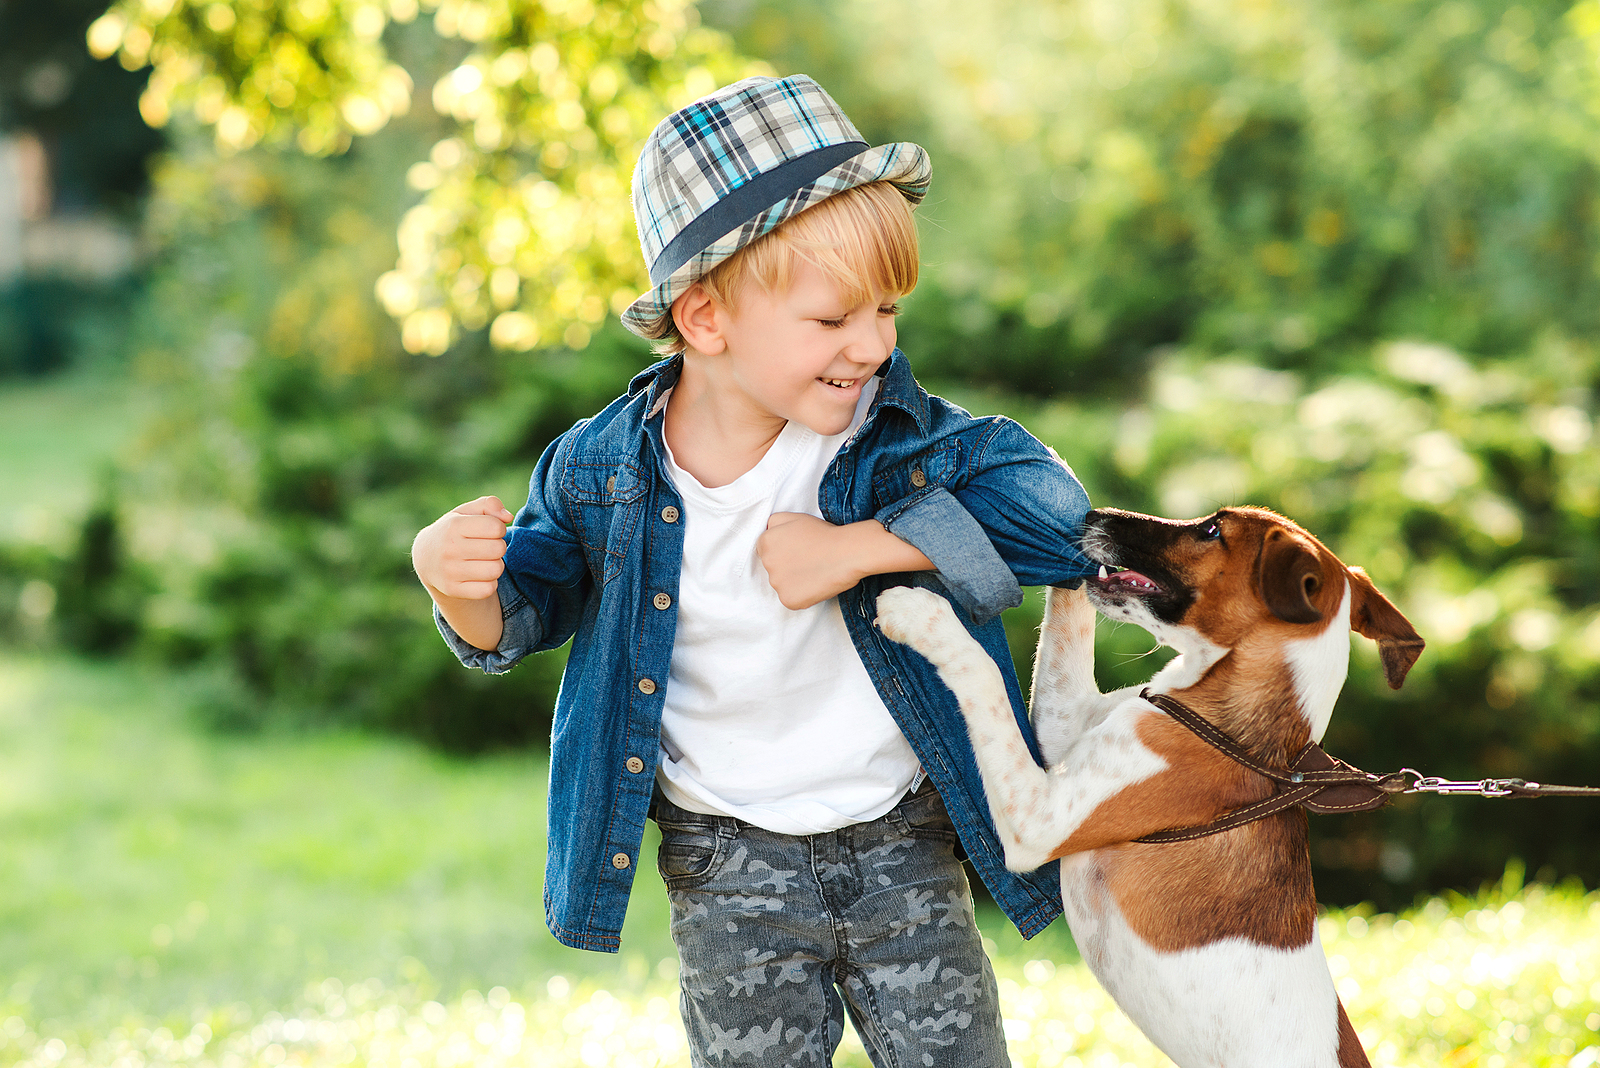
779	936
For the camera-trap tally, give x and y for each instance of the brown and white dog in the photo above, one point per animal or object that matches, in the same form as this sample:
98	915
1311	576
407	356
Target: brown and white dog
1209	945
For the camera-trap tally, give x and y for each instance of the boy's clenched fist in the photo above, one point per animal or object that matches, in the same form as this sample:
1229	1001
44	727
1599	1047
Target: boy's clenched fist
459	554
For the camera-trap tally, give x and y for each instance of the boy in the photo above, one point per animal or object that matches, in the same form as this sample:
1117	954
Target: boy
713	543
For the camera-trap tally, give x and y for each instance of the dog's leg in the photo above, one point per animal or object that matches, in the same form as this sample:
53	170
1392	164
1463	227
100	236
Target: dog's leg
926	623
1065	699
1034	810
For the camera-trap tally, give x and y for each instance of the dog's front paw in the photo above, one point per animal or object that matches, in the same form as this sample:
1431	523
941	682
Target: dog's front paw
918	618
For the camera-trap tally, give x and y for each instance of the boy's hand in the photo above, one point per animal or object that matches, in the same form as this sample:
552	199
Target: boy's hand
809	560
459	555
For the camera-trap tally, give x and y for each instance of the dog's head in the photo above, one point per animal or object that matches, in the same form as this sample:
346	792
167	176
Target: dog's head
1241	574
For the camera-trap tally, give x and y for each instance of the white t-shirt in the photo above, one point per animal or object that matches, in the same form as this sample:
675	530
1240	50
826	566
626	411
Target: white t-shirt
770	716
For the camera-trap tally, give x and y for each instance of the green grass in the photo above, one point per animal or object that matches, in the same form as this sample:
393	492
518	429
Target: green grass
172	896
57	436
147	868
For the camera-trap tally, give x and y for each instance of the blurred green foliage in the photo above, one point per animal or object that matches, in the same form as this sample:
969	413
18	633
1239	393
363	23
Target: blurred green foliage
1291	181
525	218
302	447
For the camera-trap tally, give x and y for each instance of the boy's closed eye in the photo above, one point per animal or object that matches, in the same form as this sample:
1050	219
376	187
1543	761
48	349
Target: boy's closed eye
838	321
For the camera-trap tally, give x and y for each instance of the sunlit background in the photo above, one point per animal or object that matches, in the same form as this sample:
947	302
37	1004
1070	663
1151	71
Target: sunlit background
282	280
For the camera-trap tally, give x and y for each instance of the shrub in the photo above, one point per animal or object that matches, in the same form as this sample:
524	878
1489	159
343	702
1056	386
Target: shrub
1290	181
301	448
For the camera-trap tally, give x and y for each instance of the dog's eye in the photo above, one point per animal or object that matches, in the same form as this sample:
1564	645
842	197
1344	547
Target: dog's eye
1210	531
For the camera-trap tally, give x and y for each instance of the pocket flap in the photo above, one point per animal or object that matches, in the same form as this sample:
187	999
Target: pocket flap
603	483
931	468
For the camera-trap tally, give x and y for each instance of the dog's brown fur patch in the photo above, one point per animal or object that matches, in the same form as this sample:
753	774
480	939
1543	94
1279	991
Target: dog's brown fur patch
1253	882
1351	1055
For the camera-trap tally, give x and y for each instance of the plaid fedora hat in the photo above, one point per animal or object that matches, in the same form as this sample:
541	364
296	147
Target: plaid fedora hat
733	166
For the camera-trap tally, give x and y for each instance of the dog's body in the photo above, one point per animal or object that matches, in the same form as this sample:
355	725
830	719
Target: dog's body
1209	945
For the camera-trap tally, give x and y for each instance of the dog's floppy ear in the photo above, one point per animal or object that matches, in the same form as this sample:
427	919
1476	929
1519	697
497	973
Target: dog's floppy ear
1289	574
1373	615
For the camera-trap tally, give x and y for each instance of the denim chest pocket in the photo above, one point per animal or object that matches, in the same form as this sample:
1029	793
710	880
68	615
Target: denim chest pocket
688	852
912	477
606	500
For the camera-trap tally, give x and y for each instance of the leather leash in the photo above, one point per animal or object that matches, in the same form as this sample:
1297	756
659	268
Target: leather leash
1325	784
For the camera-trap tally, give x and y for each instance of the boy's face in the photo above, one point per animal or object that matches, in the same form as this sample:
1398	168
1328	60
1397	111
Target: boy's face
801	354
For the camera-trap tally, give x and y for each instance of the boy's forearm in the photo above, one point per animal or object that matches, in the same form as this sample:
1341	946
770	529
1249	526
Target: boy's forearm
809	560
873	550
478	621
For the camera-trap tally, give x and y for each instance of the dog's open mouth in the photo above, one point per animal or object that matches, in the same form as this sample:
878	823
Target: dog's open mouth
1125	581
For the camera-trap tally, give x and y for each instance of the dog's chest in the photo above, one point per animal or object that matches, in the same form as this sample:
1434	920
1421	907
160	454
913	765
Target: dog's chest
1231	1002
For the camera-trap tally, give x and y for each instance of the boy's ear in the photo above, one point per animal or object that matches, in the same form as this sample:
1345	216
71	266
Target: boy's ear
695	314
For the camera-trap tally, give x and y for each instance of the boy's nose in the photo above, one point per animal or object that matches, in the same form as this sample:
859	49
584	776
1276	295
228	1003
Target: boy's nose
867	344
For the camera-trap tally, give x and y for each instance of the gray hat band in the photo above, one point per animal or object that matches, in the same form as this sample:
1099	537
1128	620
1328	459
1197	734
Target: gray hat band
747	202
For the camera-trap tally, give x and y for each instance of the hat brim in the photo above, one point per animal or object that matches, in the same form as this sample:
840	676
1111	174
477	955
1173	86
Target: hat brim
901	163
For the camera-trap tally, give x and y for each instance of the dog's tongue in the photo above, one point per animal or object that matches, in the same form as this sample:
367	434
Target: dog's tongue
1126	578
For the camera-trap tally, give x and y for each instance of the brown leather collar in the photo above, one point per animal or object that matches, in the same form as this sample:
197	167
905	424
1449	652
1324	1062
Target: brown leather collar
1315	780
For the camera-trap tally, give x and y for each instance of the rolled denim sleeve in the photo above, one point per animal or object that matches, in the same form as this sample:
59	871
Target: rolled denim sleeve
946	533
521	633
1031	506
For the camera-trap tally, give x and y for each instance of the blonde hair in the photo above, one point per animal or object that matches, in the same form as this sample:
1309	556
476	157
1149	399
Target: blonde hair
863	240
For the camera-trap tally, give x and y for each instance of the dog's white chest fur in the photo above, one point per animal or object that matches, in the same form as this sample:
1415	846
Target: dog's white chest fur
1188	1002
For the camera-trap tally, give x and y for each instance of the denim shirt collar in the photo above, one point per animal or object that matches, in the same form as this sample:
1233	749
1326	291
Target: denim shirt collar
657	379
898	389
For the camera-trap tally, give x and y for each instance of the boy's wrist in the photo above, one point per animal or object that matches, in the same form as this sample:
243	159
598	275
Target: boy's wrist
478	621
875	550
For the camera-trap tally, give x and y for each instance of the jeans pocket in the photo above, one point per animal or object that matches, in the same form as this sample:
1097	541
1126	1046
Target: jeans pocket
688	853
924	816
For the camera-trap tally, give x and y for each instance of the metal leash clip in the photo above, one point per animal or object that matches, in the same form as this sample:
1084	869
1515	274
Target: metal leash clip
1397	782
1432	784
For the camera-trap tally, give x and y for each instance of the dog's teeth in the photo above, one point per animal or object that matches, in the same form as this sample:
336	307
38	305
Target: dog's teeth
1103	571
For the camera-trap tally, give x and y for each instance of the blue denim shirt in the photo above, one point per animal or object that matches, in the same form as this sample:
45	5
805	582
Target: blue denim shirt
595	554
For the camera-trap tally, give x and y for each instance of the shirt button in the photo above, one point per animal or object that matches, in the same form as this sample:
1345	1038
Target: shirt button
611	484
918	479
669	514
647	686
662	601
635	765
619	861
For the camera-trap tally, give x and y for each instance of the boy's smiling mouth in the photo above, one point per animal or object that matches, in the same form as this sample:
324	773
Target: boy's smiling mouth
839	383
